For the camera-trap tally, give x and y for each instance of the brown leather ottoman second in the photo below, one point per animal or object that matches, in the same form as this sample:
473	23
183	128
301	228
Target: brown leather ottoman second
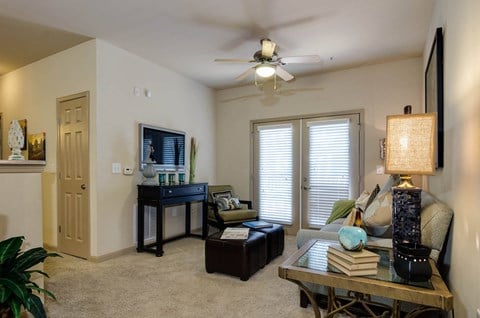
275	240
241	258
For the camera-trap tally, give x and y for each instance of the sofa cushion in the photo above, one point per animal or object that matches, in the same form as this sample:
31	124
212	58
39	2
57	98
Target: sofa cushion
340	209
435	221
378	216
362	200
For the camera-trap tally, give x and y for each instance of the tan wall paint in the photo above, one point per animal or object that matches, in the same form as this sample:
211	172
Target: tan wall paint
98	67
30	92
20	211
177	103
459	181
380	90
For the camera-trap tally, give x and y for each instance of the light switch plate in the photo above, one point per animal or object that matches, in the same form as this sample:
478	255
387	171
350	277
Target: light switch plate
380	169
136	91
116	167
127	171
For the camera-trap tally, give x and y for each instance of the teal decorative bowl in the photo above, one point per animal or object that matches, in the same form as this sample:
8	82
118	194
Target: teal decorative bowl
352	238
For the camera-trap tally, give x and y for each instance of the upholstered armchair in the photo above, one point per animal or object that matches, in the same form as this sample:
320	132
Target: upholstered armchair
226	209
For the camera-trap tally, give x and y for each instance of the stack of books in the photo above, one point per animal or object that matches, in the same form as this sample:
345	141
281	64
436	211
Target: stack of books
235	233
257	224
352	263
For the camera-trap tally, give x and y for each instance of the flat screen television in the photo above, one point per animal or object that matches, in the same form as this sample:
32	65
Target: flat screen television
164	147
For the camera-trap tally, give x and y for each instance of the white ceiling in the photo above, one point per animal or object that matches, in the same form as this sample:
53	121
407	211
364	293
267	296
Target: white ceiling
187	35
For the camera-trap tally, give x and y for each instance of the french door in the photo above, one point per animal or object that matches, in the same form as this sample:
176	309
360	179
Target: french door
302	166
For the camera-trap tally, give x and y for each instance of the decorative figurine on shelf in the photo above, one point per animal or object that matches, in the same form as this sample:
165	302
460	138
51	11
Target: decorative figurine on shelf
16	140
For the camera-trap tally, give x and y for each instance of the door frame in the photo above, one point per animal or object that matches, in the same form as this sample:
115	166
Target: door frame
85	94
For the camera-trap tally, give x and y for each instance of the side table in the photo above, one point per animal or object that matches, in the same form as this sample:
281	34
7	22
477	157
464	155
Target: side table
309	265
166	195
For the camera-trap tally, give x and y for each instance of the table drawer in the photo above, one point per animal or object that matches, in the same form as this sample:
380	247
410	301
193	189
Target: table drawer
185	190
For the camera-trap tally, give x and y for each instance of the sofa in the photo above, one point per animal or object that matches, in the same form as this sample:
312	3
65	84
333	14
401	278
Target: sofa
436	218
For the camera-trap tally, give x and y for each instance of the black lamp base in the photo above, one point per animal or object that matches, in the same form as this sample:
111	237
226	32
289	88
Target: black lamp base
410	258
411	262
406	215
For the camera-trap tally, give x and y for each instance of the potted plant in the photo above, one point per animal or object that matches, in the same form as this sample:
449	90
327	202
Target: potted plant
16	287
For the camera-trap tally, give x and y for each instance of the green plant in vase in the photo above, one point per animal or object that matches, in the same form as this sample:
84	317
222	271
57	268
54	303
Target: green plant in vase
193	158
16	287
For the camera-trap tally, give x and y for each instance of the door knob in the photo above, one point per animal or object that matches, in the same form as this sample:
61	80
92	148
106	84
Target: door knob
83	186
306	188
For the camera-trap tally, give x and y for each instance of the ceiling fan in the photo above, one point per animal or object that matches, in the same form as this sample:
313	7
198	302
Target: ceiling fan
268	63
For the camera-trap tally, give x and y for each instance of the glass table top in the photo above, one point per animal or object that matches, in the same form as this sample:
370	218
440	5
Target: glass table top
316	258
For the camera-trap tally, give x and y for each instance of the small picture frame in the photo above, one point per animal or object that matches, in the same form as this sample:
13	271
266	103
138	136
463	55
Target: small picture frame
36	147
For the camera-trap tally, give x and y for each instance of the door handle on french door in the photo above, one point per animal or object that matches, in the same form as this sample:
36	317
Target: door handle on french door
83	186
306	187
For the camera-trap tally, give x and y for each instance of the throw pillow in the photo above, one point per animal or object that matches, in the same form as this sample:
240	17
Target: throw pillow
350	219
340	209
372	196
226	204
362	200
221	194
234	203
378	216
222	204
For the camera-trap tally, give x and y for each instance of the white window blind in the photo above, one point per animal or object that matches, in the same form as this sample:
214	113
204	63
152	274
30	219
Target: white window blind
276	173
329	167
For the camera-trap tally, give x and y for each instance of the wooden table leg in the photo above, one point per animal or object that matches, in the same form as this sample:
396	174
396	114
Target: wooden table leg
310	296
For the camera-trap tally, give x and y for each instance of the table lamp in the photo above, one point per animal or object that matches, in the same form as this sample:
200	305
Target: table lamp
410	145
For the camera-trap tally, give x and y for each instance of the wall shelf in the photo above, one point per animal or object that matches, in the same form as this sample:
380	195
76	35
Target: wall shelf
21	166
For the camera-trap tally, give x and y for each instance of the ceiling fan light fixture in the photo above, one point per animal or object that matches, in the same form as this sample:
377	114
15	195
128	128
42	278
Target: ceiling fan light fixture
265	70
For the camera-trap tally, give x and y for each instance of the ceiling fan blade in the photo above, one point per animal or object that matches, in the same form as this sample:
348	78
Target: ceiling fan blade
245	74
233	60
268	48
284	74
300	59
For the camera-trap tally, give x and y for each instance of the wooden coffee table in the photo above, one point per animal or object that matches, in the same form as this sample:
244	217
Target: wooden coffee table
309	265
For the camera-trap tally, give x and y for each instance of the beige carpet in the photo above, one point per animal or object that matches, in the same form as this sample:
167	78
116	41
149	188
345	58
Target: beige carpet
175	285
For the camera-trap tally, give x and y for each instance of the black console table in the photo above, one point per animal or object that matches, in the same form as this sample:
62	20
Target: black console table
165	195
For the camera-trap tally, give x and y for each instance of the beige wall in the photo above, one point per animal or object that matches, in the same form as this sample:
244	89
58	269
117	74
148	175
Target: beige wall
20	211
31	92
380	90
177	103
459	181
110	74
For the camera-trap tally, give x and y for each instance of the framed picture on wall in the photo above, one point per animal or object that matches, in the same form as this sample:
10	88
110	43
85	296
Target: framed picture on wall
36	146
434	90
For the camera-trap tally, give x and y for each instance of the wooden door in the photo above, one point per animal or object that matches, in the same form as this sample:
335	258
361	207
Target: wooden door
73	175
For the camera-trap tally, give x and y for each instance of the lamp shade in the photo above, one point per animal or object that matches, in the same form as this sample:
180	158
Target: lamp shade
410	144
265	70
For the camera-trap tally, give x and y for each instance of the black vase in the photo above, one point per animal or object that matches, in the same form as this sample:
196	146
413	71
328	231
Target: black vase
411	262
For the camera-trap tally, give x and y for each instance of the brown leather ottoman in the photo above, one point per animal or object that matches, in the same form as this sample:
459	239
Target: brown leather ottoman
241	258
275	240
